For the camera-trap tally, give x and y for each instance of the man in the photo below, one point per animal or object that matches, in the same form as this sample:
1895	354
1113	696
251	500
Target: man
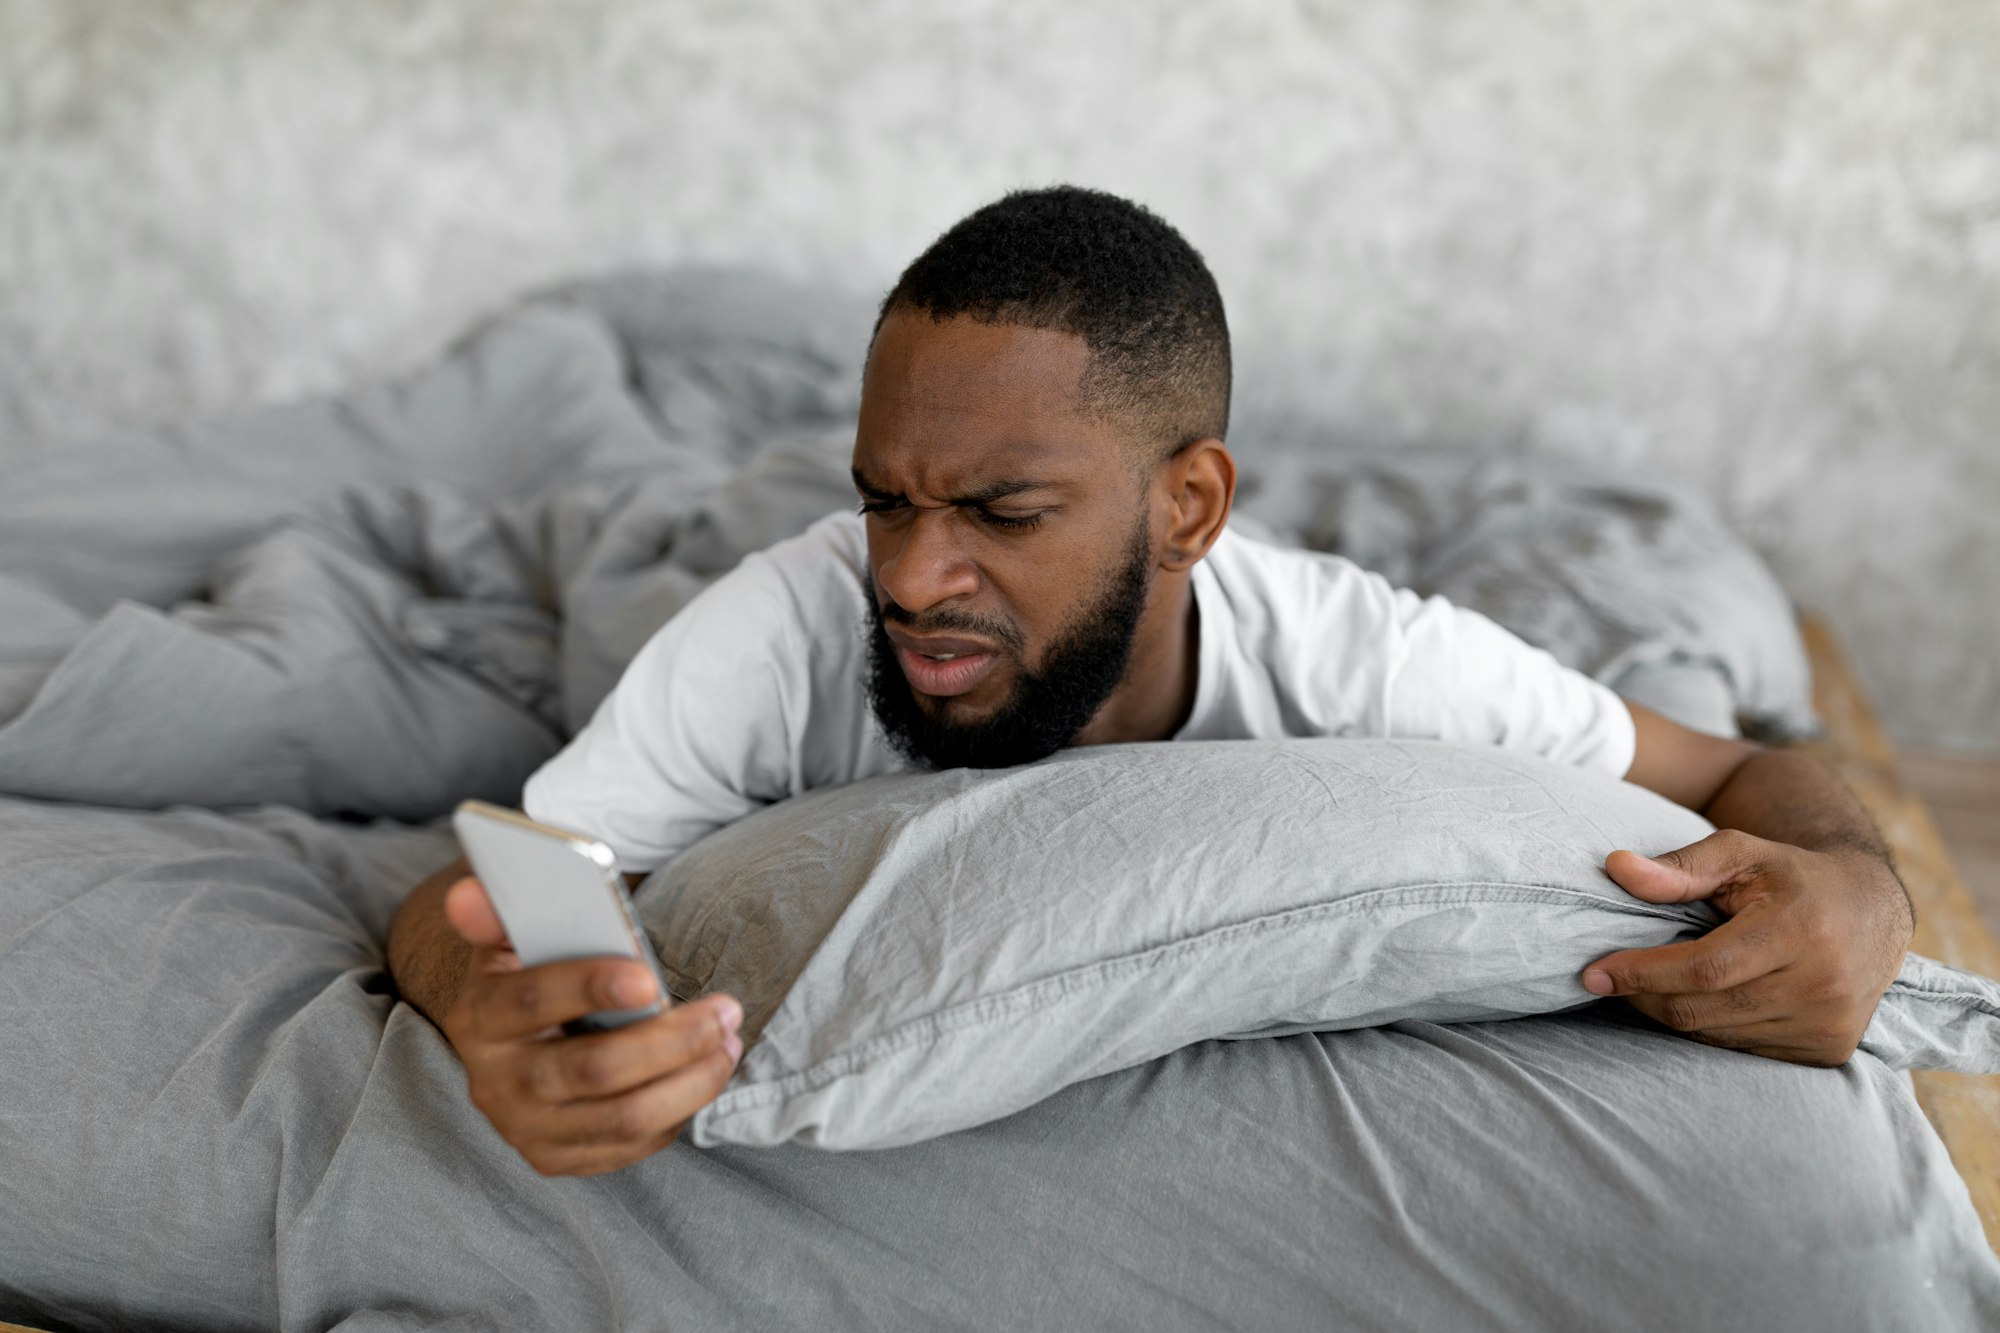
1041	561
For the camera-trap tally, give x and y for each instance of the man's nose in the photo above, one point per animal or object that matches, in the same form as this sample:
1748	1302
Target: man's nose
923	565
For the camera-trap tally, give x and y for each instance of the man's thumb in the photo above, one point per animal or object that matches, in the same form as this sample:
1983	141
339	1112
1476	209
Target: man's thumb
471	914
1699	870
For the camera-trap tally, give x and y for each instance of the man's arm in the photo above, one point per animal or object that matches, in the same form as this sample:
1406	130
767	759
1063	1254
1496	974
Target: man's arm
694	736
1817	920
569	1105
427	958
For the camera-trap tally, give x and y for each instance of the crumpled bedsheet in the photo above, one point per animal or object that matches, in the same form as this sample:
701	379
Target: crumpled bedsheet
386	602
242	664
215	1116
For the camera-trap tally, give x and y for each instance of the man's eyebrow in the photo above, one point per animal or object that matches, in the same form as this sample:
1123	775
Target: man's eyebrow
870	489
982	495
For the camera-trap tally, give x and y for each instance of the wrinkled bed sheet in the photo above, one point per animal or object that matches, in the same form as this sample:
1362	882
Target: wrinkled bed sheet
213	1117
242	664
388	601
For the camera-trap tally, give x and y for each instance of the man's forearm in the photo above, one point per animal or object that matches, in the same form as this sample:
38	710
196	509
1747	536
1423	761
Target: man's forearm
1793	798
427	958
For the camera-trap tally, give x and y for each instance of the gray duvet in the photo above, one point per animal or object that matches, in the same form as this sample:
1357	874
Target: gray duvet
242	666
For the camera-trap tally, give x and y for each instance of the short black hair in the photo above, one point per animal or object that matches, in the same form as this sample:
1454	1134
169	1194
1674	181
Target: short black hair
1107	270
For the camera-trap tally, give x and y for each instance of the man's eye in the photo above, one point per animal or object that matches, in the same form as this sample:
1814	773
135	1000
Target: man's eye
1009	522
881	506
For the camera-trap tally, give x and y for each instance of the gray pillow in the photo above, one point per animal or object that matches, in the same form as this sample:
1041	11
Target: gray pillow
922	953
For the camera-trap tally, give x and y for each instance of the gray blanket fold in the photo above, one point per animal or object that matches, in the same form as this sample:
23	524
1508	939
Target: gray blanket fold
1639	584
242	665
472	556
216	1118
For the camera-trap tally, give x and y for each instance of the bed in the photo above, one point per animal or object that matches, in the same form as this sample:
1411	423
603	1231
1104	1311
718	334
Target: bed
247	665
1965	1108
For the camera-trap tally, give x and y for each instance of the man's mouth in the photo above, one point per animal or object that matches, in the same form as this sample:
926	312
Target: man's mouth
942	665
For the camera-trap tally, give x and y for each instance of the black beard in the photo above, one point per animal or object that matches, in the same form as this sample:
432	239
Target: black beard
1047	708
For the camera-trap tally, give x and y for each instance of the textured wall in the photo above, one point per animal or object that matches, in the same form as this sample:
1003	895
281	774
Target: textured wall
1753	246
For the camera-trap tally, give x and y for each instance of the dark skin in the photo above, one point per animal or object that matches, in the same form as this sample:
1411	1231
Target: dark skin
571	1106
994	489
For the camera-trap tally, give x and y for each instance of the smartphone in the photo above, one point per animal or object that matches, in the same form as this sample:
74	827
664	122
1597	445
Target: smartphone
560	896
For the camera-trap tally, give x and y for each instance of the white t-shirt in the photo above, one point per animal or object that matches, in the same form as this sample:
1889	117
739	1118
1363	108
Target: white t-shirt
757	691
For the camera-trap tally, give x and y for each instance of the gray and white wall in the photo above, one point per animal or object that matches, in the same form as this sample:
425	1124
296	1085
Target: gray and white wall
1753	247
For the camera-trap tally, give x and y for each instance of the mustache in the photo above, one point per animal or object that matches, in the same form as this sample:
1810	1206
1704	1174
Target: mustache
946	621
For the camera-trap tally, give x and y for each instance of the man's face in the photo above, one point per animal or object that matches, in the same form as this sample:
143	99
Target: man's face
1009	540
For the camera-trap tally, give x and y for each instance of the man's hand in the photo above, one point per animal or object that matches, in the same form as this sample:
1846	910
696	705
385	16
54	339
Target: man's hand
578	1106
1812	940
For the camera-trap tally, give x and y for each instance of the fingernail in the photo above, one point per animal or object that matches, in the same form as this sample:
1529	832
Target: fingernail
630	989
734	1045
1597	981
729	1013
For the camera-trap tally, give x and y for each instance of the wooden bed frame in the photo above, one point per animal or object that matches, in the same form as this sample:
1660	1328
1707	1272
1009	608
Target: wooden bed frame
1965	1110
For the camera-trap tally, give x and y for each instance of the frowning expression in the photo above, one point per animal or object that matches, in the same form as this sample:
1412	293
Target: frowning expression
1009	535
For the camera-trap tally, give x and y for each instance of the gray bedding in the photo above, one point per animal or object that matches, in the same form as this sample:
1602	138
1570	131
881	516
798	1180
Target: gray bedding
214	1118
241	665
925	952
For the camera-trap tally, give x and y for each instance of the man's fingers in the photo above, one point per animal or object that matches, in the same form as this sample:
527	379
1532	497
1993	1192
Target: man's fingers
1728	956
521	1004
471	914
1686	874
1773	1045
594	1103
1784	1039
585	1138
1755	1004
606	1064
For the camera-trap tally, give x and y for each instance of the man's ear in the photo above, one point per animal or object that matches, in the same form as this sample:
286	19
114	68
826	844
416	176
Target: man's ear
1200	486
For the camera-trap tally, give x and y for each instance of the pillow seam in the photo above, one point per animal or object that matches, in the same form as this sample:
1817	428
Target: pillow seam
1045	992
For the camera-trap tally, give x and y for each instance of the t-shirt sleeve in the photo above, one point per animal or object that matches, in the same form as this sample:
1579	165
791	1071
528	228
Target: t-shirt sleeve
695	735
1455	675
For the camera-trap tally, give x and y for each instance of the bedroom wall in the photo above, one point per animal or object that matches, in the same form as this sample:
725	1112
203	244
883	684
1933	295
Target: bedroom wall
1754	247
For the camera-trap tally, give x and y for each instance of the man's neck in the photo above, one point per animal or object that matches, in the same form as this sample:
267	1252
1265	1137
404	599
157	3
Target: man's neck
1154	700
